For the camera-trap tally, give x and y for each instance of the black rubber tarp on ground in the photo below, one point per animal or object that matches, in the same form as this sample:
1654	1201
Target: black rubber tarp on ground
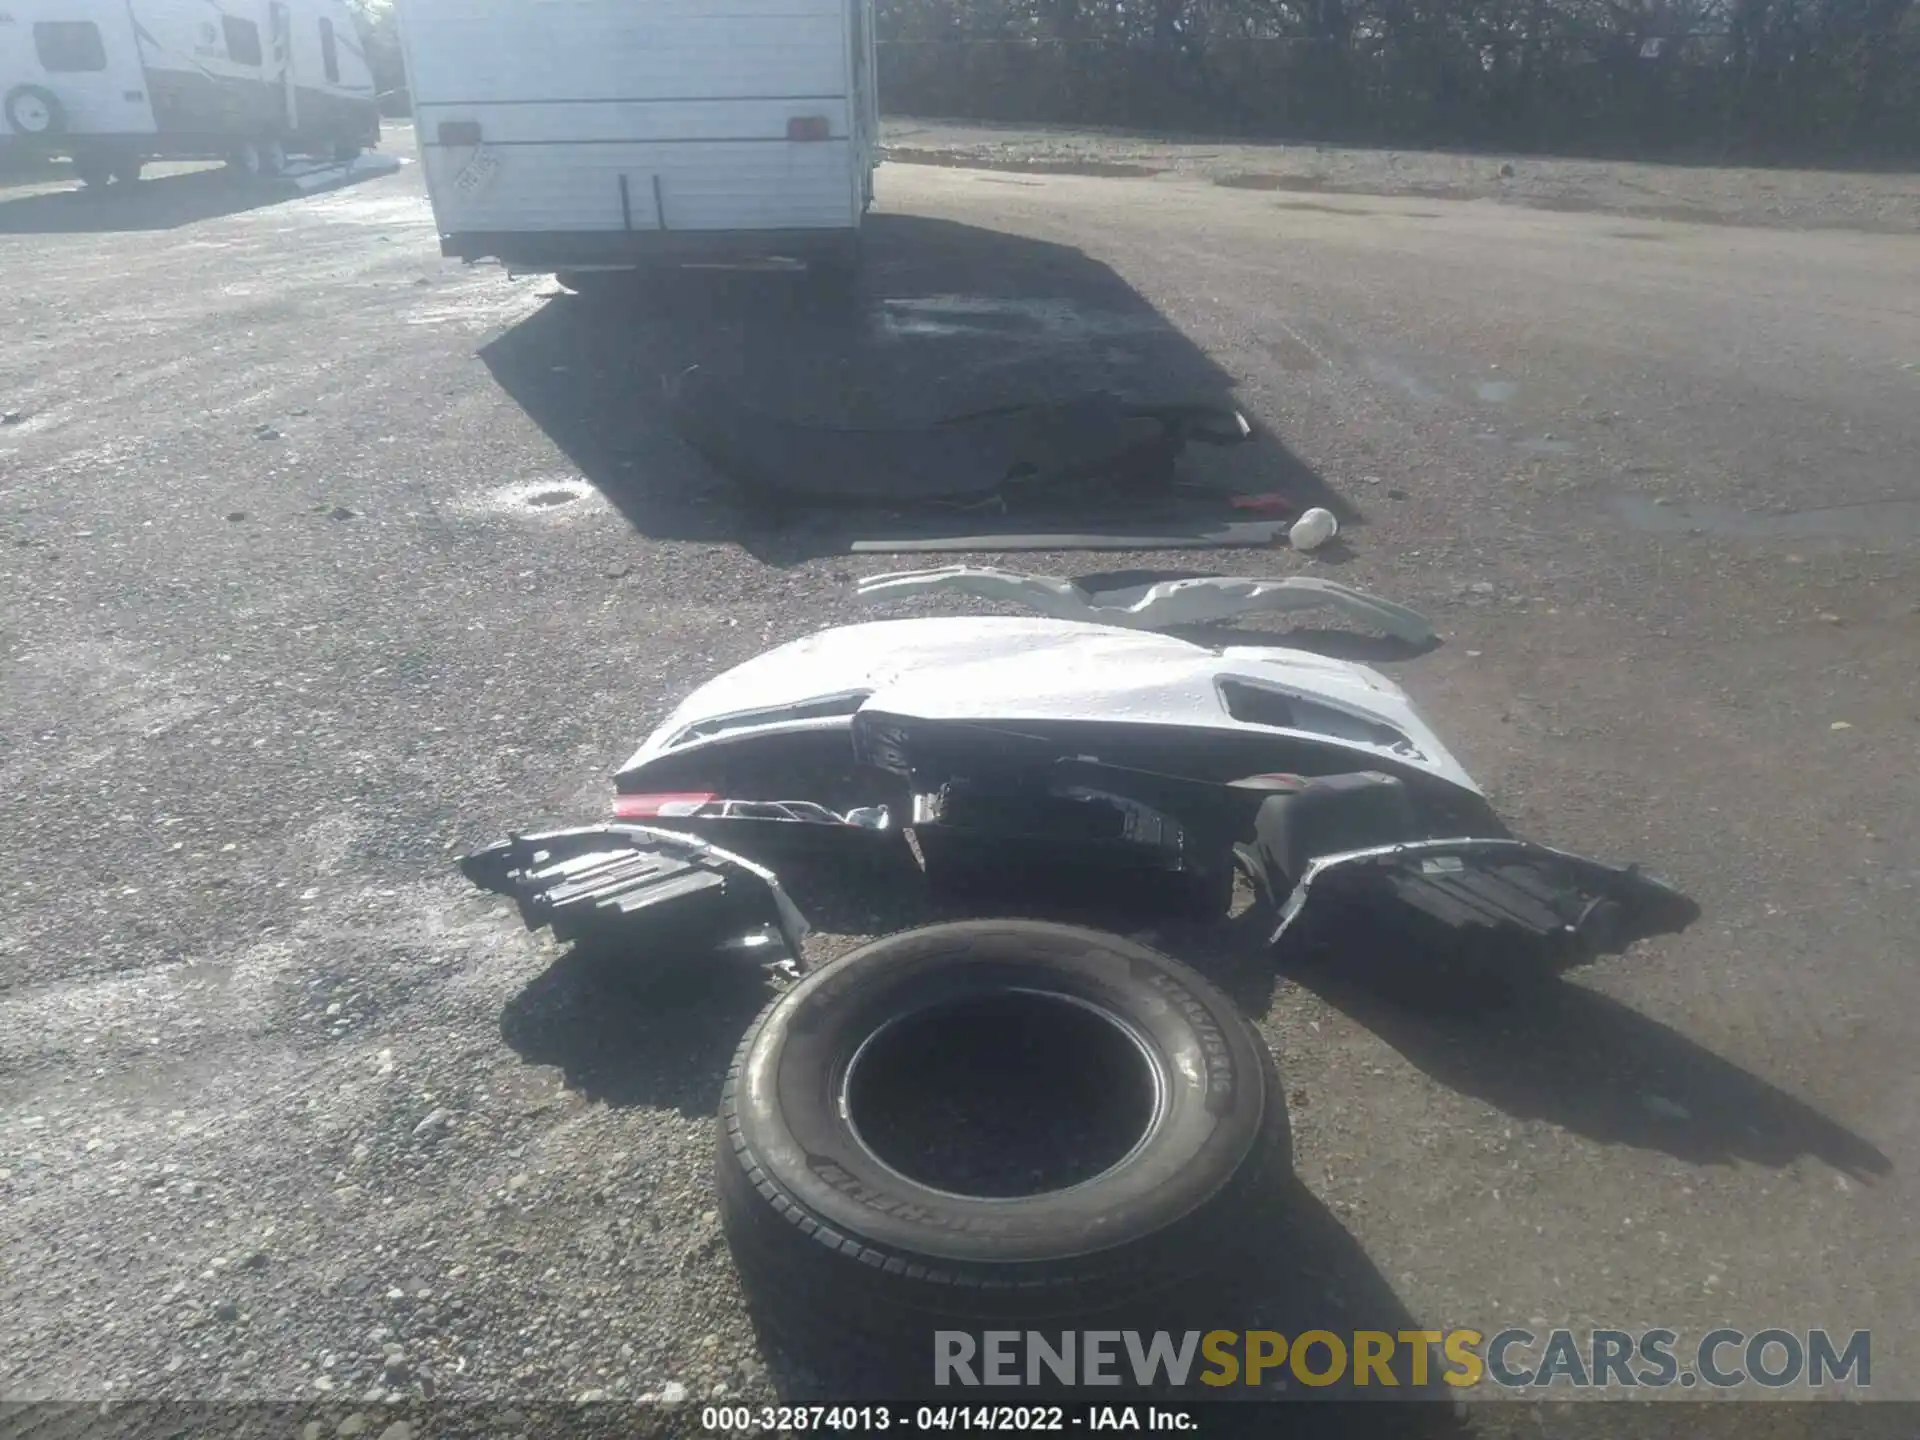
1099	442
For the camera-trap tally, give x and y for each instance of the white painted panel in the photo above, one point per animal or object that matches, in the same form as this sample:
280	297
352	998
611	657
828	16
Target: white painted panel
527	50
717	186
680	120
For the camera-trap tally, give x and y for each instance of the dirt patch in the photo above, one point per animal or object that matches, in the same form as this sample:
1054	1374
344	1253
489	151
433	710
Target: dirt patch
1318	209
1025	165
1698	194
1236	180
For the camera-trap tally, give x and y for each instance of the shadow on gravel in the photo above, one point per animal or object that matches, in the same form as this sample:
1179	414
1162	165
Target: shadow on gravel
949	319
164	203
1580	1060
1299	1271
628	1029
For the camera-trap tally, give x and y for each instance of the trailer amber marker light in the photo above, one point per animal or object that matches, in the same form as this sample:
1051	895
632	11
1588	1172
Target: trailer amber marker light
809	127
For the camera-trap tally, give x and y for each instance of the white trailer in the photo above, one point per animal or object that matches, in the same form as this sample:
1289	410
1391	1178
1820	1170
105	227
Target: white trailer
575	136
113	83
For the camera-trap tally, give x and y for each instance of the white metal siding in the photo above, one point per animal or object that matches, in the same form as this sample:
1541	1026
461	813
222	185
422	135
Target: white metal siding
570	95
719	185
520	51
95	101
603	121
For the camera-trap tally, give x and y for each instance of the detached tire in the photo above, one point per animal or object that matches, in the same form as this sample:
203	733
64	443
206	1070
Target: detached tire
1135	1081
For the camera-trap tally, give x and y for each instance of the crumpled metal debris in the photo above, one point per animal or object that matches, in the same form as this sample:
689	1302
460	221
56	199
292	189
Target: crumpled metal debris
1480	898
1165	605
635	882
1036	750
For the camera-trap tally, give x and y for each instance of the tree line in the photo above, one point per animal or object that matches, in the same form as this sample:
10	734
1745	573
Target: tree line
1786	78
1763	79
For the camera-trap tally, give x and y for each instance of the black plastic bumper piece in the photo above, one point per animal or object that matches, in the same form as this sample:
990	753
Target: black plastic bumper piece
633	883
1480	903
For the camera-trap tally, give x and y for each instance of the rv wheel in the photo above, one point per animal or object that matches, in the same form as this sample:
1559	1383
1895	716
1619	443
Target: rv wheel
835	274
34	113
94	170
258	160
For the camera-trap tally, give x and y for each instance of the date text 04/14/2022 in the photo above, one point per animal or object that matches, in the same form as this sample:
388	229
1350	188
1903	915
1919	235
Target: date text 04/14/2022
923	1419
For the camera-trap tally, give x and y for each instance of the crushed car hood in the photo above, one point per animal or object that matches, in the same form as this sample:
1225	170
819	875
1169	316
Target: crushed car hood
1011	670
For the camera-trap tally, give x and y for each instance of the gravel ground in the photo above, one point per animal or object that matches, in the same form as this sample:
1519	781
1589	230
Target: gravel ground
326	559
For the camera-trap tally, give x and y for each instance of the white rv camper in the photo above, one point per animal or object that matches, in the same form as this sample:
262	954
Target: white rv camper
575	136
113	83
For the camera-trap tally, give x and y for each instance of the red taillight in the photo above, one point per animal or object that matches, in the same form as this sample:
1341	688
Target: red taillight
809	127
656	807
459	132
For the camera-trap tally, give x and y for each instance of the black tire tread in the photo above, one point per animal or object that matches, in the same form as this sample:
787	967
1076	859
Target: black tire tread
841	1275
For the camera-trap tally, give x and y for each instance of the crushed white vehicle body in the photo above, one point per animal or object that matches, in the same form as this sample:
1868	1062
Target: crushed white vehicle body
1047	748
1157	605
1023	672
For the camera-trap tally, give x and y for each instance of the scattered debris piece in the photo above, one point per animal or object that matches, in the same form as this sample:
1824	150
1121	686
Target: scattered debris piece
1473	903
1313	529
628	880
342	512
1272	503
1165	605
14	417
